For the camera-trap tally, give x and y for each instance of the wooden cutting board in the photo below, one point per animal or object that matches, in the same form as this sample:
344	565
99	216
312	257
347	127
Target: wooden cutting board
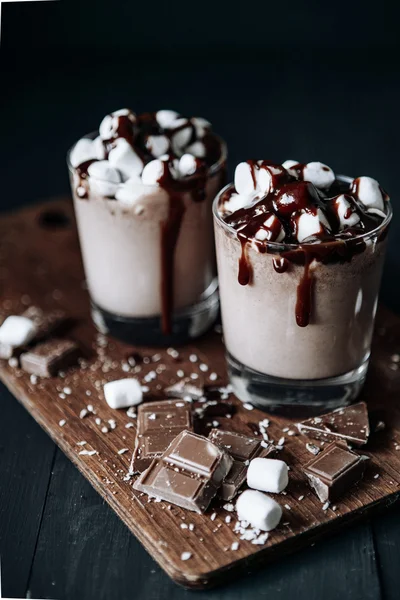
40	264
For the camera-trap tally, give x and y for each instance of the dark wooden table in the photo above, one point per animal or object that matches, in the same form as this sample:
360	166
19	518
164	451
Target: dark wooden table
57	537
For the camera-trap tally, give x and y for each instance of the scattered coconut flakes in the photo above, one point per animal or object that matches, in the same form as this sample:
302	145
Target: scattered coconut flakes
183	526
300	498
62	422
83	413
194	376
172	352
83	443
131	413
13	362
33	379
288	507
104	430
380	426
376	475
123	450
213	516
87	452
292	432
88	393
62	396
264	444
125	367
281	441
129	425
186	555
203	367
285	429
67	390
193	358
313	449
248	406
90	408
112	423
180	373
235	546
191	527
326	505
261	539
213	376
229	507
145	389
228	519
97	421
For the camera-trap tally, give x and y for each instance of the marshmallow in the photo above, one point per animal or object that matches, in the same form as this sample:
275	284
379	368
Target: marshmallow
123	393
182	137
157	144
346	212
264	179
153	172
238	201
267	232
131	191
259	510
244	181
165	118
201	126
309	224
85	150
198	149
109	125
17	331
288	164
103	178
124	158
187	165
267	475
368	192
319	174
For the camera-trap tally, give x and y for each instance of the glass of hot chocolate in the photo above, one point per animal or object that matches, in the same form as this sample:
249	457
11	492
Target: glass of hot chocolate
143	187
300	253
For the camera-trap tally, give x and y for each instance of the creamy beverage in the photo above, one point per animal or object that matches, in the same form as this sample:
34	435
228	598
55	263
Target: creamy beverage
143	189
300	255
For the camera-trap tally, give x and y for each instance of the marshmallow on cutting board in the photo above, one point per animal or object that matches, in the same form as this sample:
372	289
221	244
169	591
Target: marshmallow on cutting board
17	331
268	475
122	393
259	510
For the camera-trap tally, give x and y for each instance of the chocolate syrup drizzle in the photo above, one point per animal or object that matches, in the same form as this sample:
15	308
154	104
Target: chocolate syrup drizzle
287	201
136	131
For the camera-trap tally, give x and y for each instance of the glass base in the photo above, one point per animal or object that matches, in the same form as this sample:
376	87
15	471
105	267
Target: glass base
295	397
187	324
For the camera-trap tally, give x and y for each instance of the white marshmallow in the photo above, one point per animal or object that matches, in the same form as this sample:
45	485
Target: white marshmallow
264	179
157	144
187	165
309	224
124	158
288	164
103	178
270	225
165	118
124	112
181	138
198	149
131	191
268	475
342	206
123	393
319	174
17	331
238	201
108	126
244	182
369	192
85	150
152	172
201	126
259	510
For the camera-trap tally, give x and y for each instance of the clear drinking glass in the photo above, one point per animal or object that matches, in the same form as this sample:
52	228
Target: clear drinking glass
275	359
150	266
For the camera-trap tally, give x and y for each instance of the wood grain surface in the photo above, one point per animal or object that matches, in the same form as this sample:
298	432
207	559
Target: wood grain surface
40	264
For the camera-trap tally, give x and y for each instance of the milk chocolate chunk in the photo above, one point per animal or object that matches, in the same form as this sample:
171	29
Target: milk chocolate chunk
48	358
158	423
242	449
46	323
334	471
188	474
350	424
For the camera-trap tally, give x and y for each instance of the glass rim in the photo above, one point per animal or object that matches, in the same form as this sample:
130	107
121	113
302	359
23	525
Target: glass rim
214	168
282	246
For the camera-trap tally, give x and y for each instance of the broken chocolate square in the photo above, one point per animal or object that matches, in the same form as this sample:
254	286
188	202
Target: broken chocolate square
242	449
349	424
188	474
334	471
158	423
48	358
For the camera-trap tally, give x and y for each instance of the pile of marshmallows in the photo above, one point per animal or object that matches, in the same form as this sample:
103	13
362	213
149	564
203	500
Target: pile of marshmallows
263	474
252	183
121	173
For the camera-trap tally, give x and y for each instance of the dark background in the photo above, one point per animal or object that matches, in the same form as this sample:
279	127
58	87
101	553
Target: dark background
302	80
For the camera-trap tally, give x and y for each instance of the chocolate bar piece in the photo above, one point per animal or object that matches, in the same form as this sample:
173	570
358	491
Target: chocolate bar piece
46	323
158	423
242	449
334	471
48	358
188	474
349	424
